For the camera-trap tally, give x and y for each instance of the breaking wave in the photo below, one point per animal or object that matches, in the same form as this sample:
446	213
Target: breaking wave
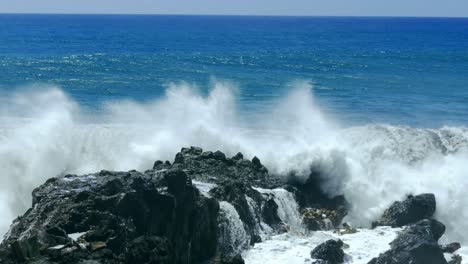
44	133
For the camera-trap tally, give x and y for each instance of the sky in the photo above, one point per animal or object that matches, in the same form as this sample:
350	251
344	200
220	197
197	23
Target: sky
443	8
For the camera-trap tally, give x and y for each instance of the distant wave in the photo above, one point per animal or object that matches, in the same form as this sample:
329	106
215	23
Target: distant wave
43	133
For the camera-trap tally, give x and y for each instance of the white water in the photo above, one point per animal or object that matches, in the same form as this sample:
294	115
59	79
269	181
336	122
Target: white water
287	248
232	228
43	133
288	210
263	230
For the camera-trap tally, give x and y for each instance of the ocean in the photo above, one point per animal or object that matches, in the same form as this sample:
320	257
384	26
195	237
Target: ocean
378	105
364	70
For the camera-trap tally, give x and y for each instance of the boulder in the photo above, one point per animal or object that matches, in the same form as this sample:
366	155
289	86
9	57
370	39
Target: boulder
270	213
119	217
409	211
330	251
156	216
231	259
417	244
309	194
148	249
455	259
450	248
315	219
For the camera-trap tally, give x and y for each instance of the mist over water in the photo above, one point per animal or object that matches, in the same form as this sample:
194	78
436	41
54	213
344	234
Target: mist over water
44	133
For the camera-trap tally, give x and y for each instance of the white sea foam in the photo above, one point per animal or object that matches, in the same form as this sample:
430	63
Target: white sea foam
288	248
44	133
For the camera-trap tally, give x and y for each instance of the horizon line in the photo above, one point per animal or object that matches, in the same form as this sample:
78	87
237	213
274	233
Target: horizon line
229	15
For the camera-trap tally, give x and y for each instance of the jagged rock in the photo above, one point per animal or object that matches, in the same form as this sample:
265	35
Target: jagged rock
232	259
148	249
309	194
236	193
321	219
346	230
320	261
409	211
238	157
455	259
450	248
270	213
417	244
158	216
330	251
126	217
215	167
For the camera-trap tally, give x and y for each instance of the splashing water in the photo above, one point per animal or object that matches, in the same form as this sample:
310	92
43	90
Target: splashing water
44	133
288	210
232	229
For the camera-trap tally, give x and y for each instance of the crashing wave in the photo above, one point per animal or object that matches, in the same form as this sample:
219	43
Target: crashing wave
45	133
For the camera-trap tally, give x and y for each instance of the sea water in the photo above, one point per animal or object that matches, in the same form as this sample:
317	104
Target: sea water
379	106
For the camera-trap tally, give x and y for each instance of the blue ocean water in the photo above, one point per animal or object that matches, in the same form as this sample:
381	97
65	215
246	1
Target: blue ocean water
387	115
409	71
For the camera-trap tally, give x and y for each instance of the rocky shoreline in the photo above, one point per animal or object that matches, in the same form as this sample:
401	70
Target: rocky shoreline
202	208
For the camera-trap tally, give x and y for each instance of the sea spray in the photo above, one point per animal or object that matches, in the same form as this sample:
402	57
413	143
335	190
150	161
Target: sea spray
233	236
261	228
44	133
288	210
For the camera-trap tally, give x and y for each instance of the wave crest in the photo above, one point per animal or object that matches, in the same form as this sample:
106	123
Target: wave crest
45	133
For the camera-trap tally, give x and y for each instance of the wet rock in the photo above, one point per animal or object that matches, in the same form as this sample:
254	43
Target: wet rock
214	167
256	162
238	157
315	219
417	244
330	251
346	230
237	193
455	259
409	211
148	249
157	216
450	248
309	194
270	213
320	261
232	259
119	217
93	246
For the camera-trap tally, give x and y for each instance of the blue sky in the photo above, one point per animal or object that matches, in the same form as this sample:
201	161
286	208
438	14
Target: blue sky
244	7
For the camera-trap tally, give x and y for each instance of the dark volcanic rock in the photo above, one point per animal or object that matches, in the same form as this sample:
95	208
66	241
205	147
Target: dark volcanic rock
409	211
329	251
320	261
322	219
125	217
148	249
252	207
270	213
236	193
311	198
455	259
157	216
450	248
309	193
216	167
417	244
234	259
